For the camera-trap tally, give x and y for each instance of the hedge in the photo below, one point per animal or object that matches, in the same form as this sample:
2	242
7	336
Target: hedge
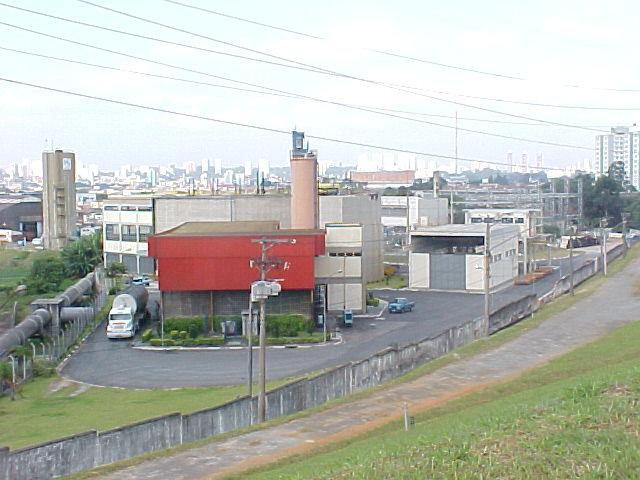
193	325
315	338
288	325
188	342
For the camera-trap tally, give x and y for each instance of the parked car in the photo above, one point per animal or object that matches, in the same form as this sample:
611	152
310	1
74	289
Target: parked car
143	280
400	305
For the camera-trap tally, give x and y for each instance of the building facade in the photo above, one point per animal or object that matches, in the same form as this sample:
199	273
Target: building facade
528	221
621	145
22	214
58	198
450	257
127	226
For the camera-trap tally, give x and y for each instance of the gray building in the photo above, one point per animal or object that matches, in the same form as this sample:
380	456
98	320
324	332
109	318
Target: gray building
22	214
58	198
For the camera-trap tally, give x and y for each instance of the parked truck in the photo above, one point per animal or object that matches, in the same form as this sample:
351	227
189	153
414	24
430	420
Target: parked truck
400	305
127	312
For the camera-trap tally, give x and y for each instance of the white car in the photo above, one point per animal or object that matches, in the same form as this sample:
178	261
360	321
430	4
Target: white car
37	241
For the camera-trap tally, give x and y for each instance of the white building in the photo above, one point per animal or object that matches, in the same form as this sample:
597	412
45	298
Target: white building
339	272
450	257
529	221
422	211
621	145
127	223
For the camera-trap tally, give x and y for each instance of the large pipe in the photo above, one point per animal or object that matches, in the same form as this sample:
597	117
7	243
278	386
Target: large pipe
28	327
75	291
69	314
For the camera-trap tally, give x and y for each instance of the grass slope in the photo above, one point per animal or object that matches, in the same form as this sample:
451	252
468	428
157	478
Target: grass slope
576	416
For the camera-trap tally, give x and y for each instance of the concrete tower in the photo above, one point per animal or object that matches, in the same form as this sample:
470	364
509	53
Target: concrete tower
58	198
304	185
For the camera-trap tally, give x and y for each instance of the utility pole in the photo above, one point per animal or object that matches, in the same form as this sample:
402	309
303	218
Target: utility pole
264	264
487	275
408	239
603	245
250	346
451	206
456	167
571	260
624	234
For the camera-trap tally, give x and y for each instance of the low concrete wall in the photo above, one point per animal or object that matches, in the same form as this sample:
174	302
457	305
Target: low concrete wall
88	450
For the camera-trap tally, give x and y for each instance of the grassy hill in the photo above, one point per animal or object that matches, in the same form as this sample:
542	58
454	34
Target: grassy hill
577	416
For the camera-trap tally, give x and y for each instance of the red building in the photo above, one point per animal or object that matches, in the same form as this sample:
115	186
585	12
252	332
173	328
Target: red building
204	268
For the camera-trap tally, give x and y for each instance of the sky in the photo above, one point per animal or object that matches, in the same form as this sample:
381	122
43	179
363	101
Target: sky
547	45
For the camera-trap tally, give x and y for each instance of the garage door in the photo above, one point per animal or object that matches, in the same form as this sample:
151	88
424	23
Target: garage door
447	272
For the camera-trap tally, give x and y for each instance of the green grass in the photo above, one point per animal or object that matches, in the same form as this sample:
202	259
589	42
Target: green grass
394	281
575	416
42	415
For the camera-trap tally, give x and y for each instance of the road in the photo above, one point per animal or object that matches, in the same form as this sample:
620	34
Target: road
100	361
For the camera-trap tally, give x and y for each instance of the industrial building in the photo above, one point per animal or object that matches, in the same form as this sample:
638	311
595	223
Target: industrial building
528	221
21	213
127	225
58	198
204	268
450	257
622	146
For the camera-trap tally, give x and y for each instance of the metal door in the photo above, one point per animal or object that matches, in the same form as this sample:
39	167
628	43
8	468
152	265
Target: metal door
447	271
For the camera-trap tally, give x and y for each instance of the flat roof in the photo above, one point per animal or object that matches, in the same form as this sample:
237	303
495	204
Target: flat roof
502	210
459	230
263	227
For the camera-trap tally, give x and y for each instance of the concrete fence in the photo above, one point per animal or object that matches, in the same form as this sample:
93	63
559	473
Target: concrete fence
92	449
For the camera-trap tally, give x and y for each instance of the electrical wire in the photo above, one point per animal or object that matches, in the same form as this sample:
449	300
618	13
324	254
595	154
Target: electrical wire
391	54
300	96
407	90
257	127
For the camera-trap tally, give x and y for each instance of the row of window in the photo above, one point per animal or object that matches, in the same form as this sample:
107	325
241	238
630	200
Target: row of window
493	220
127	233
127	208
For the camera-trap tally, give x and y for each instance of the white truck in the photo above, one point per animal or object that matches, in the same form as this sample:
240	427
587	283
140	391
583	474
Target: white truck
127	312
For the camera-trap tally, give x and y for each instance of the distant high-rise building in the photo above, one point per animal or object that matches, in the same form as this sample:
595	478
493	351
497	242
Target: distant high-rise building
510	161
217	166
621	145
247	168
539	161
190	168
263	167
59	198
204	167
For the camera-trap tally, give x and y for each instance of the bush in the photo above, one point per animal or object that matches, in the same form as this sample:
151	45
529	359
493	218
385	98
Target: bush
174	334
210	341
192	325
288	325
373	302
315	338
113	291
146	335
184	335
116	268
157	342
43	368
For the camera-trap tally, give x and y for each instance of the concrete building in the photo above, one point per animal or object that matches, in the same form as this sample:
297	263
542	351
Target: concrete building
528	221
58	198
339	272
127	225
22	214
385	178
450	257
421	212
621	145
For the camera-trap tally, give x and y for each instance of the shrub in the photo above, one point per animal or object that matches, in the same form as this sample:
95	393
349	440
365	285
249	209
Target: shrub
174	334
315	338
113	291
42	368
373	302
288	325
116	268
157	342
184	335
192	325
147	334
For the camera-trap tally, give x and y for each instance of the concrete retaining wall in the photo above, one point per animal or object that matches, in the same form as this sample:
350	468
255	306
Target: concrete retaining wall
91	449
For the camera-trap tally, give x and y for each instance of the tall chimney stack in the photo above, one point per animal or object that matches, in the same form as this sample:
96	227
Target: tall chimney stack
304	185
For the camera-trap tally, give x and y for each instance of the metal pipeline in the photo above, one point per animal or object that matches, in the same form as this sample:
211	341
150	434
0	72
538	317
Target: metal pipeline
28	327
68	314
75	291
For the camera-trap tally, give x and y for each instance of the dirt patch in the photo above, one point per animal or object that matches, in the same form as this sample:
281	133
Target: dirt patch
75	388
618	390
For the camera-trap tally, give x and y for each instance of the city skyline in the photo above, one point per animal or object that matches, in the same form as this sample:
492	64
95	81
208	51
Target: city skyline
574	43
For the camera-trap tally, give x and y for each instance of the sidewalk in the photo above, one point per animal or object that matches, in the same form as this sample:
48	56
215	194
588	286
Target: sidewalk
585	321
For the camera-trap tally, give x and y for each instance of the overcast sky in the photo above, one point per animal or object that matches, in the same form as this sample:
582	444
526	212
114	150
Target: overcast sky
548	43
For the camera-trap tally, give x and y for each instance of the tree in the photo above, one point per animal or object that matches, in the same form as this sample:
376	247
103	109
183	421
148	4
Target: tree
602	200
6	378
83	255
116	268
47	273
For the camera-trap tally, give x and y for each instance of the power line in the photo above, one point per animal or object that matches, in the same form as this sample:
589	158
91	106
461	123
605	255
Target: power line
295	95
392	54
255	127
317	70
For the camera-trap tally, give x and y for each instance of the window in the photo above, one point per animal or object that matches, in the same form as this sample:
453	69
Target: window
144	209
112	231
144	232
127	208
111	207
476	220
129	233
507	220
519	220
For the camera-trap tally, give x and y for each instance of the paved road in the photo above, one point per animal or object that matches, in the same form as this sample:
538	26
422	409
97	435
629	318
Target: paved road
114	363
589	319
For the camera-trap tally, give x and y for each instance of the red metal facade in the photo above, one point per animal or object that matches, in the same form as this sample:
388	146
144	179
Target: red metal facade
204	263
